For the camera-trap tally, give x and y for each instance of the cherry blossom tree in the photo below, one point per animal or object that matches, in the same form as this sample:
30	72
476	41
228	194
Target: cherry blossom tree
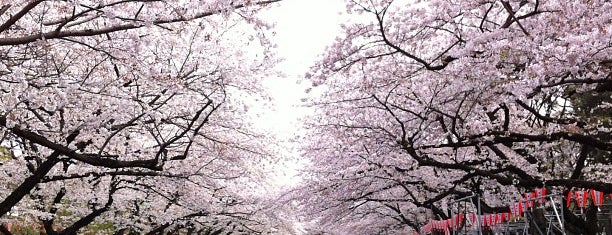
428	101
132	113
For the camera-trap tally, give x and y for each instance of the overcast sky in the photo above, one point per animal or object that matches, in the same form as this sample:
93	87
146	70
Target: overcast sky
303	29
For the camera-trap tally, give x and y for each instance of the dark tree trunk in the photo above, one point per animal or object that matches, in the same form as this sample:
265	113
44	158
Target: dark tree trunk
28	184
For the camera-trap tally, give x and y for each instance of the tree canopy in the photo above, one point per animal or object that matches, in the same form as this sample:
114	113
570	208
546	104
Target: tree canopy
132	113
131	117
430	101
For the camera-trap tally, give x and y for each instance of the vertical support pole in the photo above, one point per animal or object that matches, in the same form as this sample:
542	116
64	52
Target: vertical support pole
554	204
562	216
478	215
449	211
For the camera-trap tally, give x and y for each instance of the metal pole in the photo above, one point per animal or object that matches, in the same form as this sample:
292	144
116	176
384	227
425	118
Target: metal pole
562	217
478	216
554	204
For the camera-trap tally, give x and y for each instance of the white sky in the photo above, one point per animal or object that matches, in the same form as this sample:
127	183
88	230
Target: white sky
303	29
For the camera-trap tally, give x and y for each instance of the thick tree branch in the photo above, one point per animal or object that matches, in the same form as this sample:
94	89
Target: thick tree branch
92	159
19	14
101	31
494	137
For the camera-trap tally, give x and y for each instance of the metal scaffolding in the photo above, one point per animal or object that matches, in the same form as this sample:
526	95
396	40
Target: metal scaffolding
543	215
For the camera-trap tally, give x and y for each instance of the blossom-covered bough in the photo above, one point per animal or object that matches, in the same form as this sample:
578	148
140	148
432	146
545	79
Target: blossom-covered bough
131	113
429	101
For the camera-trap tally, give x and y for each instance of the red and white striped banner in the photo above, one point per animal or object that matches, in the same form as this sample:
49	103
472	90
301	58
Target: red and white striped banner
516	210
598	197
